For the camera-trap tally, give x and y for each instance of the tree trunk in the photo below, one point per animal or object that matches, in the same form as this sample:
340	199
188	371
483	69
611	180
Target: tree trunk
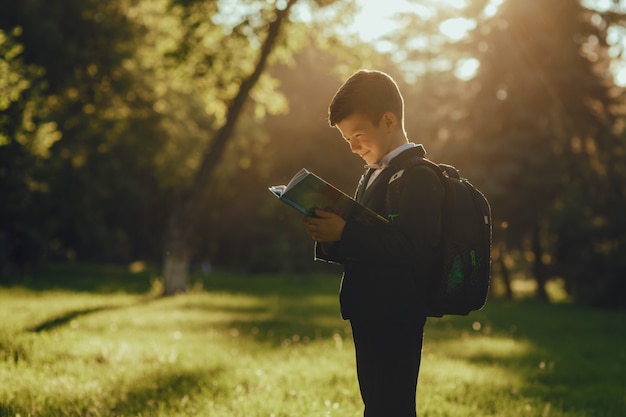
176	271
178	250
539	270
505	272
177	257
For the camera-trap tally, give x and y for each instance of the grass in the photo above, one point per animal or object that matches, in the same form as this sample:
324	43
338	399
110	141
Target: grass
275	346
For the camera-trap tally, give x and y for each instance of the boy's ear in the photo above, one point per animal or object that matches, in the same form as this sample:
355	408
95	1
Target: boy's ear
389	121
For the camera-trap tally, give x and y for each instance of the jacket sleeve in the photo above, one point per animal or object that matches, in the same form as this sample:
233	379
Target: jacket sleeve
413	236
329	252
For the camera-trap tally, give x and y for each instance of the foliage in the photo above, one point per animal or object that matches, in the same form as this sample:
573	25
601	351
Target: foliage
133	119
107	109
24	143
91	168
275	345
536	127
553	140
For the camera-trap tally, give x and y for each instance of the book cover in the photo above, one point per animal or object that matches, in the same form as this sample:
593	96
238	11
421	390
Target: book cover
307	192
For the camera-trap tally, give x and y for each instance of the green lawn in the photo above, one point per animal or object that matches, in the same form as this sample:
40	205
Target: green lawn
276	346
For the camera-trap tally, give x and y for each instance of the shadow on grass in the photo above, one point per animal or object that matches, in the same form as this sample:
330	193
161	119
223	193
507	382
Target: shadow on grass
171	389
67	318
294	285
569	361
274	319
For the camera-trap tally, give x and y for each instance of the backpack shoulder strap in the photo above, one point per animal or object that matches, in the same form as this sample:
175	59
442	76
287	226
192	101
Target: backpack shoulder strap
450	171
393	189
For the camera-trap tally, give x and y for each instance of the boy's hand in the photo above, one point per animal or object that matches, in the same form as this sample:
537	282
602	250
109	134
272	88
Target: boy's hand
328	227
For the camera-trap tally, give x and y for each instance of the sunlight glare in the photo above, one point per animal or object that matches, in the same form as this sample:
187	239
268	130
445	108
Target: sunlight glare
616	38
466	68
619	69
457	28
492	8
457	4
601	5
376	19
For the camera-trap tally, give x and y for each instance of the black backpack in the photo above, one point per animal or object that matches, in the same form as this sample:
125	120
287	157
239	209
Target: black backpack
463	284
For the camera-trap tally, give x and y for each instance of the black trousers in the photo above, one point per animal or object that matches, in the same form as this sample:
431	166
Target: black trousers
388	356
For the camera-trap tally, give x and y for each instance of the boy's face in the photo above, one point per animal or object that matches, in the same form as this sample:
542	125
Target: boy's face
367	140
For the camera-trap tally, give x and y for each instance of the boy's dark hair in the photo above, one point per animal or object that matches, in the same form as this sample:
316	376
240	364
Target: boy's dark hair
369	93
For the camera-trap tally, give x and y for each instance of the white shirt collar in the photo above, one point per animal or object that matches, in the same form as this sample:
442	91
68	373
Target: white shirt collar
384	162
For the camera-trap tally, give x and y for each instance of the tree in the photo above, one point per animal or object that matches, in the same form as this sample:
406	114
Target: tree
66	126
135	119
534	127
178	246
23	146
543	115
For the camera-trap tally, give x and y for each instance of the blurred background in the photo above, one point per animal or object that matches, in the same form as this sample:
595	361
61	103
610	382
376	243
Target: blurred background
146	132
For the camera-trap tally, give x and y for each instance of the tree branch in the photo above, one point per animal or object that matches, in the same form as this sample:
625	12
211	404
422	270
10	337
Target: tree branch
214	152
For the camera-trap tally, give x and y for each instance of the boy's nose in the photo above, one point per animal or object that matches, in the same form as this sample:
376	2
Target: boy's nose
355	146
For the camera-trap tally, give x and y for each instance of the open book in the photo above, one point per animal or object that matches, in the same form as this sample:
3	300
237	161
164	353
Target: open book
307	192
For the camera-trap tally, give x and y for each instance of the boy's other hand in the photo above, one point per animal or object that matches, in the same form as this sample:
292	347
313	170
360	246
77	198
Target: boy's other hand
328	227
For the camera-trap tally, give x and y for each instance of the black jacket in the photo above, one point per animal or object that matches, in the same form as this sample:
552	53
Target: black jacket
388	268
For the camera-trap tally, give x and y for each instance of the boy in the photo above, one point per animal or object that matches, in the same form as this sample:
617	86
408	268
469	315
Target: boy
388	268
